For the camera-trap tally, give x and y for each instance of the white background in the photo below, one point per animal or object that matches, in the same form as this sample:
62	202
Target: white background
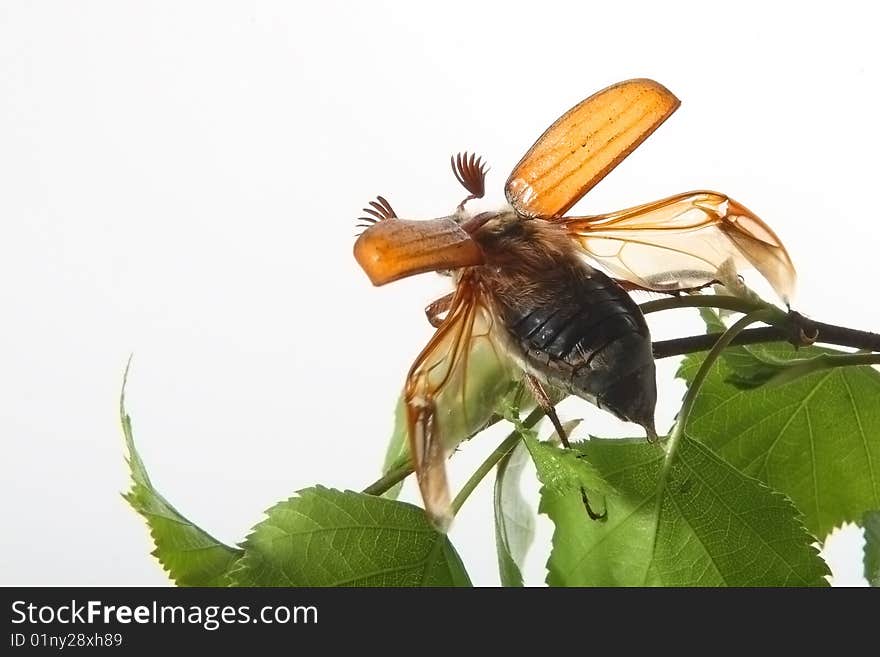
181	180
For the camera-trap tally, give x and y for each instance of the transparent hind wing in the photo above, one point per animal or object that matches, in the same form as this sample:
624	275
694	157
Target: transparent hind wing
682	242
451	392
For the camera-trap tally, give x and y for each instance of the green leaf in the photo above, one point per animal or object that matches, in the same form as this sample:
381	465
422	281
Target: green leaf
702	523
190	555
558	468
871	524
514	520
326	537
816	439
565	470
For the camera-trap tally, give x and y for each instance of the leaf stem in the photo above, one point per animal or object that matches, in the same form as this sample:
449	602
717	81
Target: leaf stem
387	481
727	302
401	471
844	360
793	369
492	460
687	405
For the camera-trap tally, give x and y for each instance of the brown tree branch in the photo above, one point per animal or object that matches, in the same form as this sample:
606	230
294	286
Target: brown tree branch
797	330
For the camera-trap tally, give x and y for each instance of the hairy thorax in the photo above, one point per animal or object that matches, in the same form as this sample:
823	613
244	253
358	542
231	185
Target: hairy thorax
564	321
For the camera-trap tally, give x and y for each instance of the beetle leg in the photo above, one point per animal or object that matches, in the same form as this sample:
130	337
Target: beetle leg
593	515
546	405
437	308
629	286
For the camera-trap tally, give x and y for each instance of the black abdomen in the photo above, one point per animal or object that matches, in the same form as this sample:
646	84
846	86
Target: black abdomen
582	332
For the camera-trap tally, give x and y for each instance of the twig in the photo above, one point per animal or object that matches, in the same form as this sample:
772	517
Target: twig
727	302
788	331
400	472
387	481
499	453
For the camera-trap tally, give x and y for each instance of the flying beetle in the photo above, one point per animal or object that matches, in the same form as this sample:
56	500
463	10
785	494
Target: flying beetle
548	293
